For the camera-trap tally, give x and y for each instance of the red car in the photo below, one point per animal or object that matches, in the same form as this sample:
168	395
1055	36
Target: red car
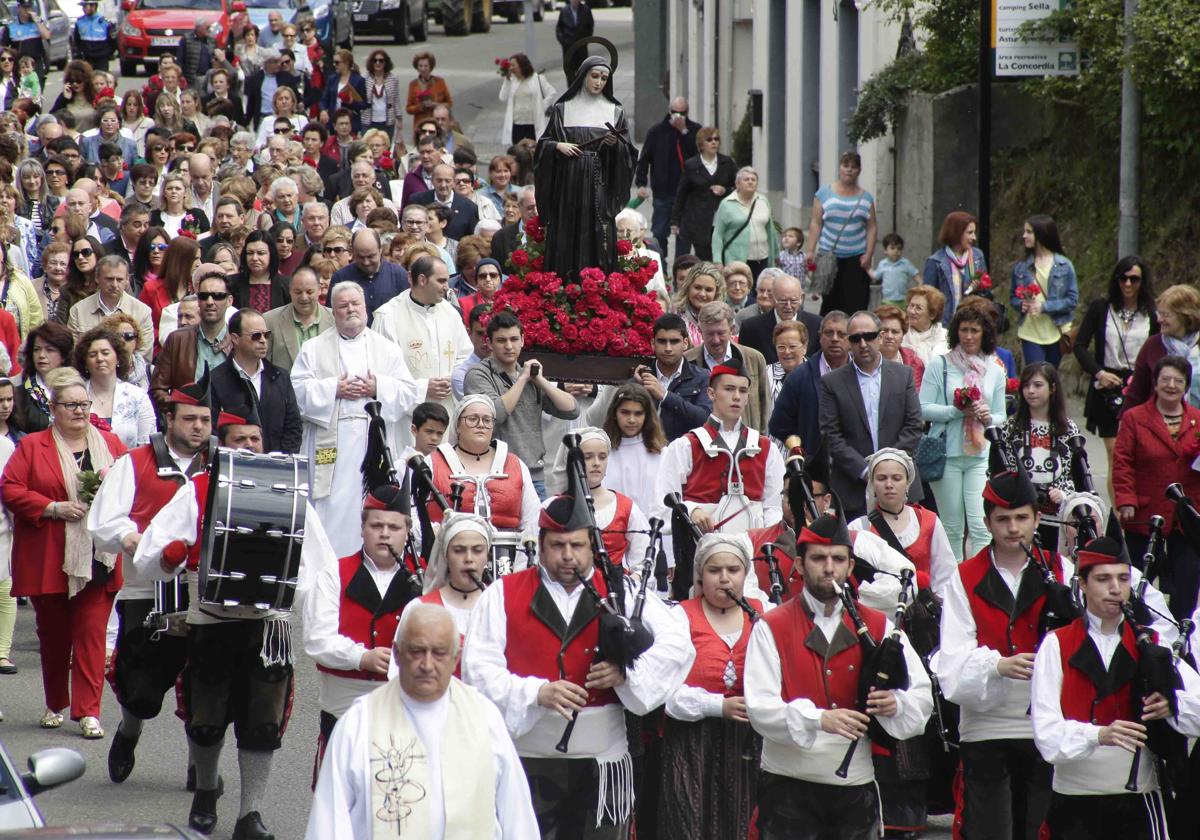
153	27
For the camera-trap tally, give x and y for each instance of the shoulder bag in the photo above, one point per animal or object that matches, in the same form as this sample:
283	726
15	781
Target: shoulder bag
930	455
741	228
826	261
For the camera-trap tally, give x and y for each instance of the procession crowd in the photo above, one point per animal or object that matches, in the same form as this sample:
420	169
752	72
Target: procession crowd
831	509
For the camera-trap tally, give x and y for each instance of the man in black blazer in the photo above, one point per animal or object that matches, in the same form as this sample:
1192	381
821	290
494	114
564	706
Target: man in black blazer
343	183
758	332
248	378
574	22
511	237
464	214
866	405
256	108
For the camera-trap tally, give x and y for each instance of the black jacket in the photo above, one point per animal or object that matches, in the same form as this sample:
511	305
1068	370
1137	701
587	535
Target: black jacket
339	186
1091	338
695	203
663	153
686	405
758	332
282	427
238	113
254	84
281	293
566	33
504	242
466	213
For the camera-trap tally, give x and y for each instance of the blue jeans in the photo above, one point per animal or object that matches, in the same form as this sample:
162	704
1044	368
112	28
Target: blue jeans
959	496
539	487
1031	352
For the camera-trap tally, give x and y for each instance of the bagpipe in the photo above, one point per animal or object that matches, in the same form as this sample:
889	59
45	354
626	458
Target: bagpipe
800	495
622	639
378	469
884	667
1060	607
684	535
743	604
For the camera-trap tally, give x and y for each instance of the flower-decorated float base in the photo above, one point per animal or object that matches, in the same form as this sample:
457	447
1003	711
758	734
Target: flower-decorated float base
586	368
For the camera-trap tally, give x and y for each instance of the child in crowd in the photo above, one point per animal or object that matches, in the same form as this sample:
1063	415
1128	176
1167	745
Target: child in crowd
429	424
894	273
30	85
791	257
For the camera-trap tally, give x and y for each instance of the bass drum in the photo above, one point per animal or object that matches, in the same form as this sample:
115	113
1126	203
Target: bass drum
253	530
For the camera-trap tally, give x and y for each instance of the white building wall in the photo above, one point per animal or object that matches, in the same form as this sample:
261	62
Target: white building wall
722	50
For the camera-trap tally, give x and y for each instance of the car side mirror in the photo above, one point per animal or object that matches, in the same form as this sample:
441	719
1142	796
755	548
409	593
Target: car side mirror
52	767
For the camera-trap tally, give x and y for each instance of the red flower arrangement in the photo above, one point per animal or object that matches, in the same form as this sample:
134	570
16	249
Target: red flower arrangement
1011	385
190	226
503	67
100	423
1028	292
386	163
965	397
609	314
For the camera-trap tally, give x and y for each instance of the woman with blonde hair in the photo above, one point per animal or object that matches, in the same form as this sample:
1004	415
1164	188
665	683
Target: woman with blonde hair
703	284
168	114
284	106
347	89
173	217
1178	335
71	585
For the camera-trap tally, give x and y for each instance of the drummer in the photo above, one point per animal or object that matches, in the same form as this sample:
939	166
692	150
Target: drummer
146	662
350	617
239	657
496	483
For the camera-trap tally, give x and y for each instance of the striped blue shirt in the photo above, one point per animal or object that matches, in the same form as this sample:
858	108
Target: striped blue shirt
837	211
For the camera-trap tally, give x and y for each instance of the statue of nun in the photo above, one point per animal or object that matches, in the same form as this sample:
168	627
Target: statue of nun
583	172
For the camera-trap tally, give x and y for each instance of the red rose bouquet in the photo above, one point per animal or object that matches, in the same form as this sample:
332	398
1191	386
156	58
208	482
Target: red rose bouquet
610	314
964	398
190	226
1028	292
503	67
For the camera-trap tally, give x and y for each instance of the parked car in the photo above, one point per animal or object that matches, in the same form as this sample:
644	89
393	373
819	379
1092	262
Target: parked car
331	16
153	27
404	20
58	51
512	9
47	769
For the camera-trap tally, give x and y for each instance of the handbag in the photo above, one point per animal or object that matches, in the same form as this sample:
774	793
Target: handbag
930	454
826	271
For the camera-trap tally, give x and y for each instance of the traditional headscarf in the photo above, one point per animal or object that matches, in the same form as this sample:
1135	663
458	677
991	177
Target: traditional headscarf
586	67
463	405
1095	507
592	433
888	454
437	573
714	543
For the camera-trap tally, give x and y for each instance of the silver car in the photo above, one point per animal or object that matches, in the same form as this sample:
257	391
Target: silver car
58	49
47	769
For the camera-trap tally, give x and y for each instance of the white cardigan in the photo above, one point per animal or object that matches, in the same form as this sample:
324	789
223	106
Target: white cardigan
508	90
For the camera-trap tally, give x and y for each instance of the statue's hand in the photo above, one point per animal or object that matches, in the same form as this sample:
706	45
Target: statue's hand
609	140
568	149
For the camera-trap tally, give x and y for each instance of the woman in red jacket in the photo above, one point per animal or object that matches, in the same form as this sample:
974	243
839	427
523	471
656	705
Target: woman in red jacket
53	562
1157	443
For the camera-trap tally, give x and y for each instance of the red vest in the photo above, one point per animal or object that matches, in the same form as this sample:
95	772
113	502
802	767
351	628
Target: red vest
987	593
505	492
829	681
150	493
712	654
1079	698
921	551
435	597
363	615
615	540
709	479
534	648
762	571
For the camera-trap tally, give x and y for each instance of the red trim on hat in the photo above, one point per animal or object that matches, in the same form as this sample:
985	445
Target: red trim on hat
178	395
995	498
1087	559
373	503
808	536
726	370
225	418
549	523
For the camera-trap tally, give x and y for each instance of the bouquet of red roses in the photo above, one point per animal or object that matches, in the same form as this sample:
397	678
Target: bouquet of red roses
611	314
503	67
190	226
964	398
981	282
1028	292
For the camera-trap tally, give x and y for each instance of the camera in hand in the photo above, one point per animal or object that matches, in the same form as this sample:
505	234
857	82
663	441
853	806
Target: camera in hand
535	370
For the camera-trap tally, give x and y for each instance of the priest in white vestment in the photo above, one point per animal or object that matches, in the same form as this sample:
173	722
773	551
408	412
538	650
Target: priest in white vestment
335	376
406	759
428	330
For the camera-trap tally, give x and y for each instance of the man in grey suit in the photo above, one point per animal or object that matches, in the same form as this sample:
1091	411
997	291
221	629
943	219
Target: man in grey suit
294	323
865	405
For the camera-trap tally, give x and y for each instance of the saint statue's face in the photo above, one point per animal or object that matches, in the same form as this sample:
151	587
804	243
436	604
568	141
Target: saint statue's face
596	79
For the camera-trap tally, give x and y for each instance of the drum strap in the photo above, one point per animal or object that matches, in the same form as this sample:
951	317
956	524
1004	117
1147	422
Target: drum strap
162	457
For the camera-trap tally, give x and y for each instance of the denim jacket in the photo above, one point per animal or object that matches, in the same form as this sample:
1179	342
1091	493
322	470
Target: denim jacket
938	273
1062	296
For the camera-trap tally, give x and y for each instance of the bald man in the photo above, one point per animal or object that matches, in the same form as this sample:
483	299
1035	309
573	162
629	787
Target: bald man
81	201
668	144
758	331
464	212
437	728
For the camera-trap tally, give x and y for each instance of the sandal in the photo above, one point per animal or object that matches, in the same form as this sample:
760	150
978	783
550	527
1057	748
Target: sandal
51	720
90	728
7	666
